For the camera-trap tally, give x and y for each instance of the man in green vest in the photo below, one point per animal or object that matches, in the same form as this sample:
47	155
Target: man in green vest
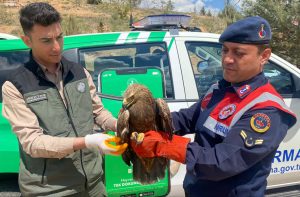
52	106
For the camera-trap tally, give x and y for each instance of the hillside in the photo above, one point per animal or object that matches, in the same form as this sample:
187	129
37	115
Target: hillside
79	17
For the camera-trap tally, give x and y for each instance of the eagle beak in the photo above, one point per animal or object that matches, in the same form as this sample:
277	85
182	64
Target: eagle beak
128	102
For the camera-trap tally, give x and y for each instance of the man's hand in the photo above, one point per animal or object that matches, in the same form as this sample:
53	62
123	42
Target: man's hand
157	144
103	143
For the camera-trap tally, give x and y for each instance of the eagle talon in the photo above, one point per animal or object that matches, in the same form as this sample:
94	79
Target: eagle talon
137	137
140	138
134	136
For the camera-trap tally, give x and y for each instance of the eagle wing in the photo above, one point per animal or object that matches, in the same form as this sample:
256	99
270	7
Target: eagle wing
163	117
123	133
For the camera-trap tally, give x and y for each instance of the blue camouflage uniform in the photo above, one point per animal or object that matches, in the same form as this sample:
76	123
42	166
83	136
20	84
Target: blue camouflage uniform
238	128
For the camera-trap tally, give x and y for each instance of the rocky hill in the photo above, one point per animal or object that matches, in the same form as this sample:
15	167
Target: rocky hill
80	17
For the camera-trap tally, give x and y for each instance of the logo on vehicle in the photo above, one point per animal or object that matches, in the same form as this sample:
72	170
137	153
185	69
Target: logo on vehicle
260	122
227	111
131	81
81	87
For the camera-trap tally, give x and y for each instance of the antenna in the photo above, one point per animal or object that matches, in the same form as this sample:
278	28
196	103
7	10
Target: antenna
131	21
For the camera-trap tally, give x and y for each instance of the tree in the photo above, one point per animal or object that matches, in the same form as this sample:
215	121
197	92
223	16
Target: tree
134	3
208	13
230	13
284	18
169	6
203	11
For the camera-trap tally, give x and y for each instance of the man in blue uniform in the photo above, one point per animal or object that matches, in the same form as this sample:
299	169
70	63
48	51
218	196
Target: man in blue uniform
238	124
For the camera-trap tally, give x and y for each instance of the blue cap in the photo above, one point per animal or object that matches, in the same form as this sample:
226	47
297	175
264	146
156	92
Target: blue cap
250	30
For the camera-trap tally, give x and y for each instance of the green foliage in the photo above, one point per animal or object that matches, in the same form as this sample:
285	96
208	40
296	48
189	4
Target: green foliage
203	11
94	1
169	6
100	27
135	3
284	18
70	26
230	13
208	13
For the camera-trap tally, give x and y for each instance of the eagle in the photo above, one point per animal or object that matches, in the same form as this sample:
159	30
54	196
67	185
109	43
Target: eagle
141	113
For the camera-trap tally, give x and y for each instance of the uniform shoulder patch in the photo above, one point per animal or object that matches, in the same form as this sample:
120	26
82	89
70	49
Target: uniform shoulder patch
260	122
250	141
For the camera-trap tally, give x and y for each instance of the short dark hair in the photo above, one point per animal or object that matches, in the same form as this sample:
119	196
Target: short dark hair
262	47
38	13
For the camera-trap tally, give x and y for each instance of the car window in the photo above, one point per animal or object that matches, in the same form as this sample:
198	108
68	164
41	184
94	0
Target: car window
279	78
128	56
206	62
9	61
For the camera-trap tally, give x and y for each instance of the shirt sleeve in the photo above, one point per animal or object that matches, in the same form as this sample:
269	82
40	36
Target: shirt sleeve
232	156
103	118
26	126
185	119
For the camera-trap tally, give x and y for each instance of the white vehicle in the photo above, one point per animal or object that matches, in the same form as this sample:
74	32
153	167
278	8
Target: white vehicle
191	62
4	36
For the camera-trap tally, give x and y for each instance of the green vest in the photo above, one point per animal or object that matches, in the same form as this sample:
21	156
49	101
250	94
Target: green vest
79	170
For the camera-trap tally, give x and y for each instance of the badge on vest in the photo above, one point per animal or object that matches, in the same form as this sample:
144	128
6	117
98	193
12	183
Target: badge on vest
227	111
250	141
81	87
36	98
243	90
260	122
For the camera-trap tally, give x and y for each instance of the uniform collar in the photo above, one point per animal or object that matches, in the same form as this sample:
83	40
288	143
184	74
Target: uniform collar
246	87
35	67
45	69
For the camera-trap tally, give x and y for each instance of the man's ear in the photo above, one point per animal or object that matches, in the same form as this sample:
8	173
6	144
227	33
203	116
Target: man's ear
265	55
26	39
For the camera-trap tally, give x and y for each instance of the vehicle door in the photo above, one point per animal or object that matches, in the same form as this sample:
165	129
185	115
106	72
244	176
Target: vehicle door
9	149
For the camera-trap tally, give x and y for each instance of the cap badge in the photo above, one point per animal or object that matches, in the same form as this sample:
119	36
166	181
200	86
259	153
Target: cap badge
81	87
227	111
262	33
260	122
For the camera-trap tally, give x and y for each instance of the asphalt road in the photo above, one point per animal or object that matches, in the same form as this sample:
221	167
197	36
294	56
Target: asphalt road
9	185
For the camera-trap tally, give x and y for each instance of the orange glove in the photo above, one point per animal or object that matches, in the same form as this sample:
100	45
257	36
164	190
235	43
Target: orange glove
157	144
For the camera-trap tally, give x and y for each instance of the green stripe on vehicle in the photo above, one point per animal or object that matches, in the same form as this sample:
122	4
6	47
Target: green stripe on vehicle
171	43
8	45
89	40
132	37
156	36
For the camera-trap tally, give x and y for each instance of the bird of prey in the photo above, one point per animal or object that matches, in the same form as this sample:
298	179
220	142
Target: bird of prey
140	113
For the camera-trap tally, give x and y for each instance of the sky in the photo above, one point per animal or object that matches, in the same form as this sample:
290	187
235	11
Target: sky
214	6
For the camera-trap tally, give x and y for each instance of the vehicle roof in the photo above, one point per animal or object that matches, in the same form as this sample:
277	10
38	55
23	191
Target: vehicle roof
101	39
7	36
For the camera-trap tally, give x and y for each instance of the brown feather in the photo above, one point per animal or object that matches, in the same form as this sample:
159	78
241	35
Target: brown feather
142	113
